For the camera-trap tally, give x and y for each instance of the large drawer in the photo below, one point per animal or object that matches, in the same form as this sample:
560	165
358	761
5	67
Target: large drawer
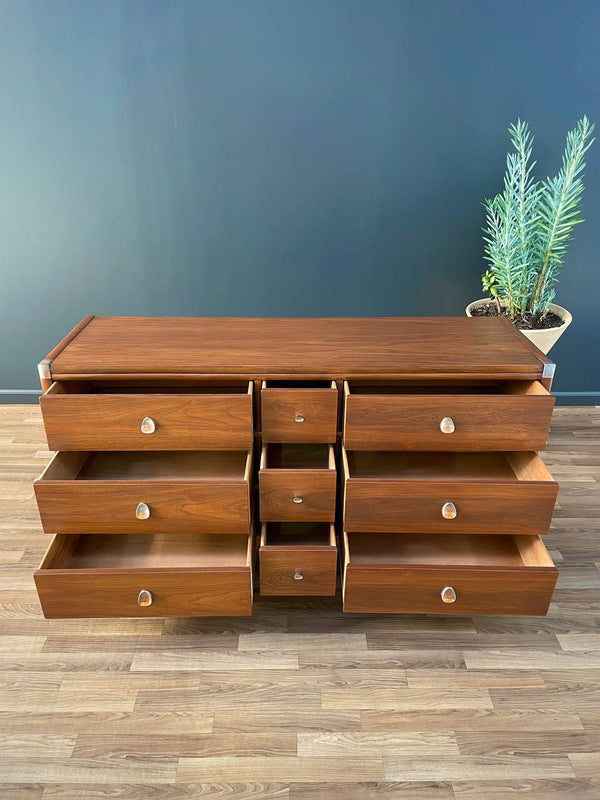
509	415
409	574
298	559
479	493
89	416
162	492
146	576
297	482
299	412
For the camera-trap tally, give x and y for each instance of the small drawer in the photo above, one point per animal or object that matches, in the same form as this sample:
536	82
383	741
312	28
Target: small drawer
299	412
408	574
509	415
298	558
162	492
146	576
102	416
297	483
476	493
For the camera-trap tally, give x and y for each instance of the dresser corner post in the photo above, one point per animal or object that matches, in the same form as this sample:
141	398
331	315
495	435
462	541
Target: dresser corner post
548	371
45	374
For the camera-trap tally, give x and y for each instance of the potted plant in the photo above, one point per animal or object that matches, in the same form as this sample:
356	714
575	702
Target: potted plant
528	228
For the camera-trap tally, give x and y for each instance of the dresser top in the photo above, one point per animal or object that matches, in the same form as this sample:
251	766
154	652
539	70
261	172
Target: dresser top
266	347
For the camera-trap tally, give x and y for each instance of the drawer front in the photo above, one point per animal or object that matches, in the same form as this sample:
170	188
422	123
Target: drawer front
300	495
421	507
299	415
175	507
417	590
297	571
175	593
480	422
114	422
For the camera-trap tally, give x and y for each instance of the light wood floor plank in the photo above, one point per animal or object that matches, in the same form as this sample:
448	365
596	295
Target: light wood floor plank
179	791
512	719
388	790
366	743
406	699
186	660
560	789
305	770
464	768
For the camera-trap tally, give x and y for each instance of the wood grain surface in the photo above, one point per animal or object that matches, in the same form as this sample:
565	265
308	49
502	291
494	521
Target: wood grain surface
314	485
281	408
191	421
295	346
205	492
405	492
299	702
494	421
295	564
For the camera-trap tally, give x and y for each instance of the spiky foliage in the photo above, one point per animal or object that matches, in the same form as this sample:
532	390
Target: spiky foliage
529	225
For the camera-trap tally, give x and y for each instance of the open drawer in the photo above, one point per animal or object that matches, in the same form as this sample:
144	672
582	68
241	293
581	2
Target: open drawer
408	574
299	411
112	416
505	415
479	493
146	492
146	576
298	559
297	482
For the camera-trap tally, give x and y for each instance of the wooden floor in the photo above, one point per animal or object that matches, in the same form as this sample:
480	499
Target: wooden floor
299	701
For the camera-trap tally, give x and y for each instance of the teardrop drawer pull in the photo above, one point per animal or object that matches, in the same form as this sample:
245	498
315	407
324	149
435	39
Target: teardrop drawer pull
298	499
299	418
298	576
448	595
447	425
449	511
148	425
142	511
145	598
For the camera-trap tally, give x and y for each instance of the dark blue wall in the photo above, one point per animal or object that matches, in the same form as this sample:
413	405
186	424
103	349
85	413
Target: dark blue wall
277	157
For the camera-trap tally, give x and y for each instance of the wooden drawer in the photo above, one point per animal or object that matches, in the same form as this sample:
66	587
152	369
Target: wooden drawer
479	493
299	412
510	415
297	483
408	574
187	576
298	559
88	416
187	492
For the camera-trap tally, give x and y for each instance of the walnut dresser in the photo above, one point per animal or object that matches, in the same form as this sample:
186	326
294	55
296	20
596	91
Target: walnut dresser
200	461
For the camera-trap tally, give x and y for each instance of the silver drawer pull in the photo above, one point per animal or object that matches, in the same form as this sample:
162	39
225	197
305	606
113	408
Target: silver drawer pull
448	595
449	511
145	598
142	511
298	576
298	499
447	425
148	425
299	418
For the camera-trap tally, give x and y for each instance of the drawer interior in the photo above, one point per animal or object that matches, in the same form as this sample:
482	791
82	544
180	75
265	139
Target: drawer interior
297	534
222	466
297	456
298	384
446	550
453	388
445	466
151	387
140	551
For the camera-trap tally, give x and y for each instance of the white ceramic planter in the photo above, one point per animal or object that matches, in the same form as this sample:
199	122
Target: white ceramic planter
545	338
